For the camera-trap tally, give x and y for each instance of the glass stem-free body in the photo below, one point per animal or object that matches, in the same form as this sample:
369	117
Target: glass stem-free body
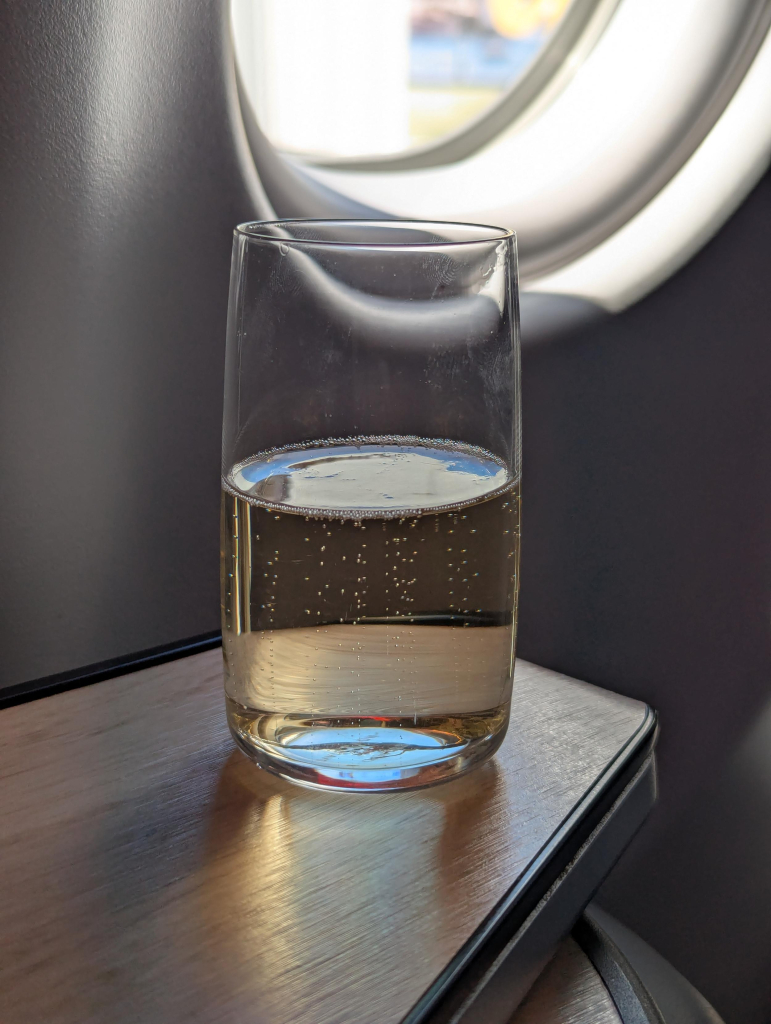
369	609
370	498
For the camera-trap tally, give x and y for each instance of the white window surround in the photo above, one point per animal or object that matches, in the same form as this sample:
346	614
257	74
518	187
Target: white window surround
572	182
310	80
687	212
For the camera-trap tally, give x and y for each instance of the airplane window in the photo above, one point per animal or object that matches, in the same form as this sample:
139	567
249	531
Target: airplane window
614	136
367	78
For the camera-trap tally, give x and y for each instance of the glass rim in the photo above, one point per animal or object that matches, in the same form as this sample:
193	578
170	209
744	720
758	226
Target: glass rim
255	230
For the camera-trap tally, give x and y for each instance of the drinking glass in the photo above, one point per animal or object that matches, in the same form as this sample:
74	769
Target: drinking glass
370	498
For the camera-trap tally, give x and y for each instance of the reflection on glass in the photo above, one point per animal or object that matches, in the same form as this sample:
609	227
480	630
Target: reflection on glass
370	510
349	78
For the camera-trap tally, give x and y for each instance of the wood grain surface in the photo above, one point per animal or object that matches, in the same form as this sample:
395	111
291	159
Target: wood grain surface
568	991
151	873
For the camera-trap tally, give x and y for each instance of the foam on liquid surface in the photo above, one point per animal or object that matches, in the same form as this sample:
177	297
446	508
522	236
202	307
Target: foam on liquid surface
352	480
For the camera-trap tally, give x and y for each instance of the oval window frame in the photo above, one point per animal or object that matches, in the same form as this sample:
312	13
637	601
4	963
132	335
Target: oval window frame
724	83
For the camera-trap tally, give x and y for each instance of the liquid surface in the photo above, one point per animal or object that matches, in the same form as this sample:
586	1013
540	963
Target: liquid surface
374	480
369	610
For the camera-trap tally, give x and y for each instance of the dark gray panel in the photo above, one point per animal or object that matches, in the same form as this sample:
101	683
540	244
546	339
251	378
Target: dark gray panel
647	568
669	996
120	188
701	887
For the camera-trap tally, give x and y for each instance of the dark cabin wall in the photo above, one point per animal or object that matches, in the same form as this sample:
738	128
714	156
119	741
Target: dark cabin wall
647	569
647	497
121	183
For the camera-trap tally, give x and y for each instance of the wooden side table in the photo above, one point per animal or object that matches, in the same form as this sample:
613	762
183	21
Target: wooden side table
151	873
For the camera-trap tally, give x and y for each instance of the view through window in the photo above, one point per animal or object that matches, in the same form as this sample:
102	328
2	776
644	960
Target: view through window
349	78
465	53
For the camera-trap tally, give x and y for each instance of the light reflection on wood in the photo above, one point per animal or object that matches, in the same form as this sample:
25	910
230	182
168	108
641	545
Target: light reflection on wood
151	873
568	991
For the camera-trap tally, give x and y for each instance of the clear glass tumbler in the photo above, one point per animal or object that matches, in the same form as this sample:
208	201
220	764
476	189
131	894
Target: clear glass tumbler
370	498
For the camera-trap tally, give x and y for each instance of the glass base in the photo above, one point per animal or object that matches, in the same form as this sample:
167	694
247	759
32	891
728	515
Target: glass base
367	753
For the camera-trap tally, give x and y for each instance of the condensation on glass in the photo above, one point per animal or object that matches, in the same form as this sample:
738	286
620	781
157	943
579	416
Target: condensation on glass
370	499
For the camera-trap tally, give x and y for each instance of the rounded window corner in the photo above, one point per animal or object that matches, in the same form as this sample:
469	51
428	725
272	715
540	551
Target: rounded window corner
606	206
